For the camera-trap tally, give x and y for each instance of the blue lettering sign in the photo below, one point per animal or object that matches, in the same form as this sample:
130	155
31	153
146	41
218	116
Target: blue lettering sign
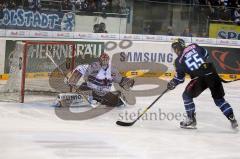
43	20
36	19
6	19
28	18
20	17
13	18
67	23
53	19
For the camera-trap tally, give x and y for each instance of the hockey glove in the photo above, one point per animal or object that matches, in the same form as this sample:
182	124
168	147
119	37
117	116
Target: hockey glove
126	83
171	85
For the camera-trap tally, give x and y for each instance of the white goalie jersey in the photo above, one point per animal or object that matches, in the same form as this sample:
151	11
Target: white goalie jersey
97	78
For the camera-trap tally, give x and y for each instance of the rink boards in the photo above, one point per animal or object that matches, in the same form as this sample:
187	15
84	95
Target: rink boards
133	55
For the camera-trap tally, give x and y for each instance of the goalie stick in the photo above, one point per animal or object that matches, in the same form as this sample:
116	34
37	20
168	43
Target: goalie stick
66	76
121	123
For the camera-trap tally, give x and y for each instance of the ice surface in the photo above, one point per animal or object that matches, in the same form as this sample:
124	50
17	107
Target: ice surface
33	131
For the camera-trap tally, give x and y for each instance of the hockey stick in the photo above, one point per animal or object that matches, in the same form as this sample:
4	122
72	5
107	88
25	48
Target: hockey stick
224	81
65	76
56	65
121	123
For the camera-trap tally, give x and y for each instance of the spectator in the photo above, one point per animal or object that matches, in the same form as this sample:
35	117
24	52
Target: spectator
119	6
105	5
90	5
66	5
34	4
187	32
236	16
116	6
96	28
231	3
147	29
203	34
11	4
102	28
53	6
85	5
170	31
2	2
79	5
1	12
215	6
72	3
122	5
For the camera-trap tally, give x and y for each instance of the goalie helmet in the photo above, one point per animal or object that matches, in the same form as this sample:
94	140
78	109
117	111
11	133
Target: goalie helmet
104	60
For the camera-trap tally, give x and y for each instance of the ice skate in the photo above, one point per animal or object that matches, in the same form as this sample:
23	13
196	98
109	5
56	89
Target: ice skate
94	103
233	122
189	123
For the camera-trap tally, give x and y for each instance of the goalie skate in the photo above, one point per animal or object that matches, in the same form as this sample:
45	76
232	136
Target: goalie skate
70	100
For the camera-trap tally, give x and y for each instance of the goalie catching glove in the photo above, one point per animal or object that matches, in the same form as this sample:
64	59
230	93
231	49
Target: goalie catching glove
126	83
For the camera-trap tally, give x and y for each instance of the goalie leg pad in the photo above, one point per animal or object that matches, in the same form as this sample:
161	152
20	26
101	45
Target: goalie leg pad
70	99
108	99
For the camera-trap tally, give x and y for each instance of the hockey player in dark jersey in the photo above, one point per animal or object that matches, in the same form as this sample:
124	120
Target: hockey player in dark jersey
192	60
99	77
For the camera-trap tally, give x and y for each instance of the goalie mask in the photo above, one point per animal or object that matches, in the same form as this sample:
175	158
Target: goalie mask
104	60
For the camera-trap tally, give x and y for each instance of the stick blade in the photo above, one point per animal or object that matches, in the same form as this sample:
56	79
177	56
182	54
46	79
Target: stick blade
124	123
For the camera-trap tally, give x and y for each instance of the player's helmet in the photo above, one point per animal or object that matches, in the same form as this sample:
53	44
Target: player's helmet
178	44
104	59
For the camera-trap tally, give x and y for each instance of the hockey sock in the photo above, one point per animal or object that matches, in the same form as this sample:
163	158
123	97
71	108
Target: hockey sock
224	106
189	105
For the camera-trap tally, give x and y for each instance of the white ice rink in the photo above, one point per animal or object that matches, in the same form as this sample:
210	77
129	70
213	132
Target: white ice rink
33	131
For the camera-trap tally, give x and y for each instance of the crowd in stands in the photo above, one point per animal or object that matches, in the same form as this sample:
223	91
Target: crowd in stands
221	10
213	10
94	5
14	4
116	6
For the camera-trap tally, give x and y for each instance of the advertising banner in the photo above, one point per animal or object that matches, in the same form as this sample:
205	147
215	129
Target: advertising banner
2	55
37	20
86	52
141	58
226	60
131	57
224	31
37	60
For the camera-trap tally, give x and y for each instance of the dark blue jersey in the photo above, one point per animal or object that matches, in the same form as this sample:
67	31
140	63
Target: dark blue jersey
192	57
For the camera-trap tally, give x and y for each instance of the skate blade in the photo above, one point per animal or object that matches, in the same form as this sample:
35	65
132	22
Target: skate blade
236	129
188	127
